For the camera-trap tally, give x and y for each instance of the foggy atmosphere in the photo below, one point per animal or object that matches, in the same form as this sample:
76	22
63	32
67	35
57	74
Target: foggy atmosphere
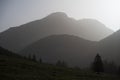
59	40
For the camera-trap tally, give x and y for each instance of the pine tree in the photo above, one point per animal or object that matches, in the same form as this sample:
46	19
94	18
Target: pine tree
98	64
34	57
40	60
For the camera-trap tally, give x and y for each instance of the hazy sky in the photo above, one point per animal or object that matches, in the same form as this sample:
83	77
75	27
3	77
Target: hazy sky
17	12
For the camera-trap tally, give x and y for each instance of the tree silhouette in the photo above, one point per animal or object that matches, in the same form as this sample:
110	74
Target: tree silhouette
34	57
40	60
98	64
61	63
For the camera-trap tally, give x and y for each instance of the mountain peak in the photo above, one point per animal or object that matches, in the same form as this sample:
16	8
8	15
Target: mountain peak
58	14
55	23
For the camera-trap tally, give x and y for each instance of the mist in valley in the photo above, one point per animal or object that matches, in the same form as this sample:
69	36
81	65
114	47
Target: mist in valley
49	40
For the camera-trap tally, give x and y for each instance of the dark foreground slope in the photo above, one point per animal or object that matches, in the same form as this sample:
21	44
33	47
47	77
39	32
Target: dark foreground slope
18	68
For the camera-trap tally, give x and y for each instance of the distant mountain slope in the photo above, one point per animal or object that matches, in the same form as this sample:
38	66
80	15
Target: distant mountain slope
110	47
73	50
17	38
93	29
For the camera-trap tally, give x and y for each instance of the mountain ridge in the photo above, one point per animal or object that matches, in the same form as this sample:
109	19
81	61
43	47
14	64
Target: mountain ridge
71	49
17	38
110	46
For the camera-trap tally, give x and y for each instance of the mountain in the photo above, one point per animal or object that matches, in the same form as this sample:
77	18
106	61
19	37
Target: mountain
110	47
93	30
17	38
71	49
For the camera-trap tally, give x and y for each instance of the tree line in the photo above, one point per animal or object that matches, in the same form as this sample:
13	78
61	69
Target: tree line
98	65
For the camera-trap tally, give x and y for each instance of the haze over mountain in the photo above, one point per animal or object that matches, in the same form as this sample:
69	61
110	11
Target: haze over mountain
110	47
17	38
71	49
